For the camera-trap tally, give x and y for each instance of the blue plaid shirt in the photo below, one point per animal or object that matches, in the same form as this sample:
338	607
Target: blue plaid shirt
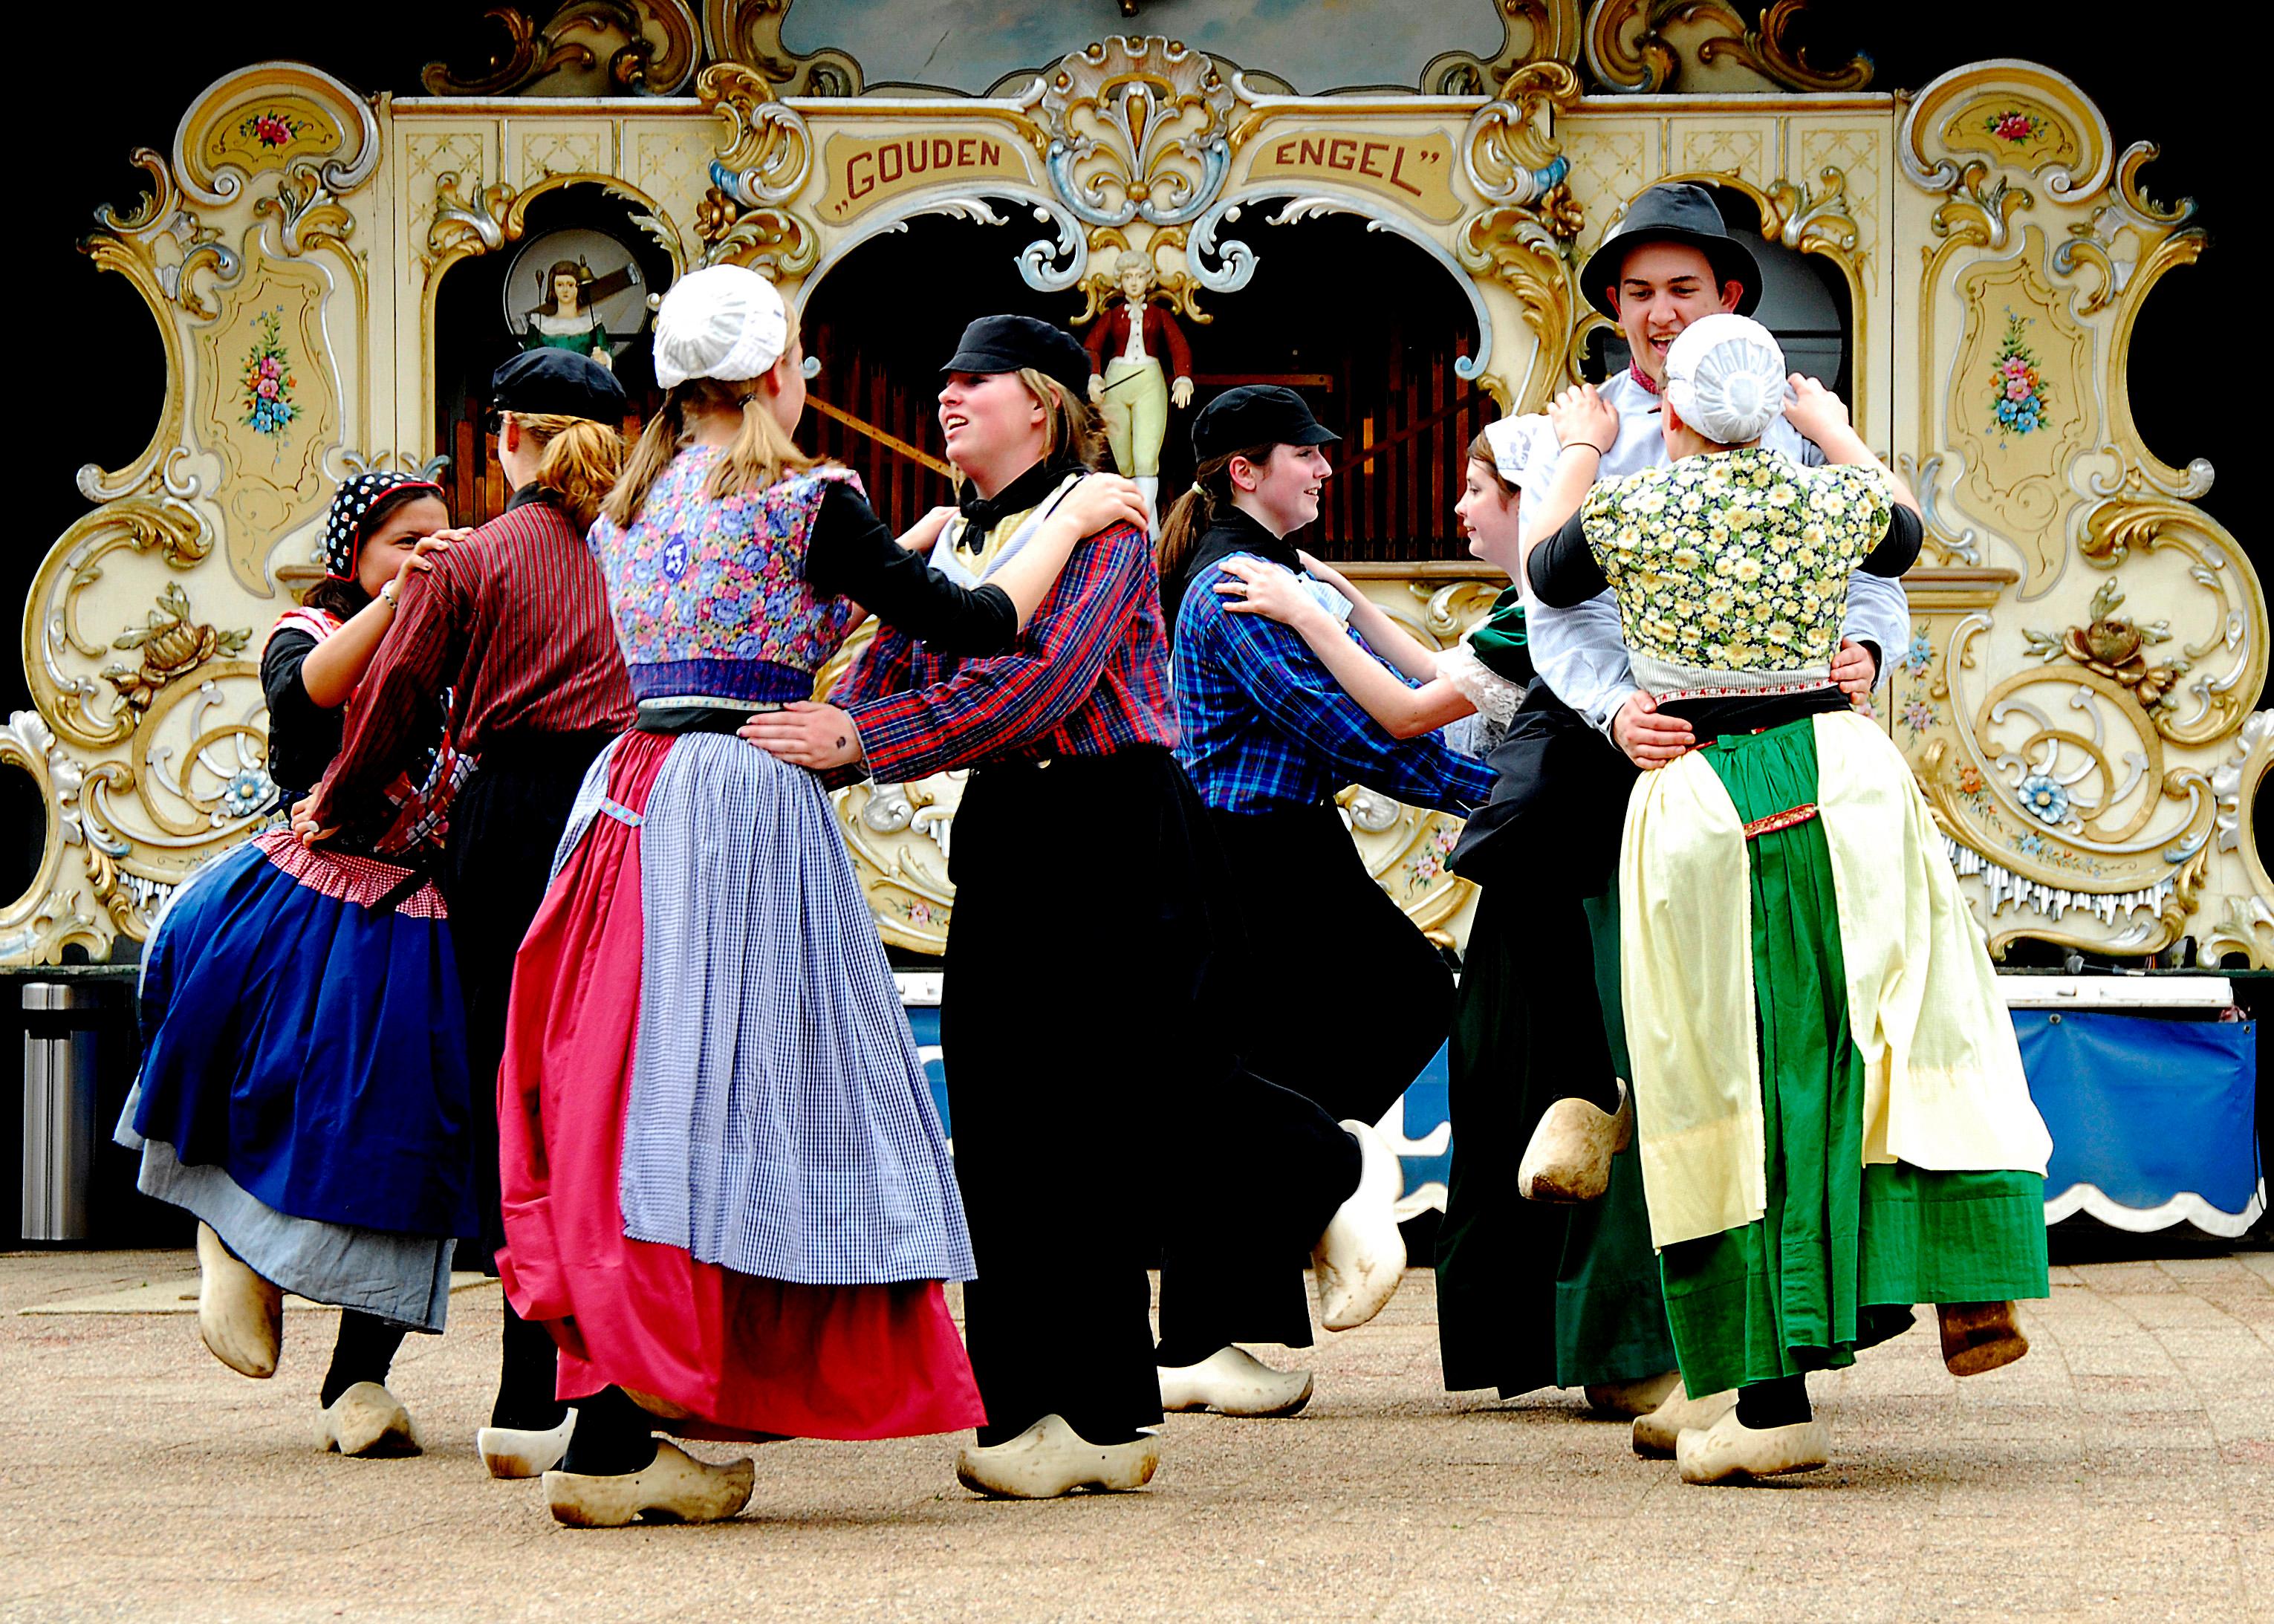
1264	727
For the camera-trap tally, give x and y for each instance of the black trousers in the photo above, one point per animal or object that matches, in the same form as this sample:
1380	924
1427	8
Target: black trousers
1096	1100
504	825
1343	1002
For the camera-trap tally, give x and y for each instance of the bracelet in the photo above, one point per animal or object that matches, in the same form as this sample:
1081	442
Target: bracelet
1591	446
386	595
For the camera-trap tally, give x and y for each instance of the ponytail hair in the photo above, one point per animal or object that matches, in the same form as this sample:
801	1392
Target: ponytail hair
1192	512
761	455
579	462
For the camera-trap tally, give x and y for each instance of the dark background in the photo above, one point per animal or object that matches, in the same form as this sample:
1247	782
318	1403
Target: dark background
94	372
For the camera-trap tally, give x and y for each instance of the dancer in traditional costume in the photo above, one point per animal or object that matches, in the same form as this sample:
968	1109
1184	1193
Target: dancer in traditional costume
729	1197
1065	1041
513	620
1569	761
1269	737
1530	1293
303	1087
1833	1117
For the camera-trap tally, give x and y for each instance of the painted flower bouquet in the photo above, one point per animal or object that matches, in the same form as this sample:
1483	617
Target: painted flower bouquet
267	382
2019	397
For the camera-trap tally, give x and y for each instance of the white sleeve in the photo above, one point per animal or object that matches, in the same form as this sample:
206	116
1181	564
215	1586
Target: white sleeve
1580	654
1878	612
1494	696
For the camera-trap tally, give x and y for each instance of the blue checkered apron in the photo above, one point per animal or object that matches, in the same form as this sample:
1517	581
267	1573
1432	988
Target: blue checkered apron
779	1125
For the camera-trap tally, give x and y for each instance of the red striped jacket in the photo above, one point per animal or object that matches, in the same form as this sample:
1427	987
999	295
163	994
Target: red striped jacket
515	619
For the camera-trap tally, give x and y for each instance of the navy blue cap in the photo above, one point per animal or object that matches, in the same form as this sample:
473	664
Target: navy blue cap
558	383
1256	414
1005	344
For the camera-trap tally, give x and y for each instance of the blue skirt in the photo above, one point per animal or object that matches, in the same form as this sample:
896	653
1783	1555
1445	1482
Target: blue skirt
310	1045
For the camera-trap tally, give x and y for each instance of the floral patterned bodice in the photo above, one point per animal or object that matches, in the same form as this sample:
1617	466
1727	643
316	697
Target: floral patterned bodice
709	596
1731	569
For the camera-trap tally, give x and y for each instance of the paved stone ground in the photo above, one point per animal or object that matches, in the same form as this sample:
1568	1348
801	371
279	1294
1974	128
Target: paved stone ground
2124	1471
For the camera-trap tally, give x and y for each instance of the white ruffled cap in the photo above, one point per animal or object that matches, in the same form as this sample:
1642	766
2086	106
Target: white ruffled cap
1725	375
724	321
1512	440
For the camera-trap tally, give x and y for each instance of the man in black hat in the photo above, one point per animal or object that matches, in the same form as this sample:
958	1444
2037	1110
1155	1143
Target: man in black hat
1269	738
1668	260
513	622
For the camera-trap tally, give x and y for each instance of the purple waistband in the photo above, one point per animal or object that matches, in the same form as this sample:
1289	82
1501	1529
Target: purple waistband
762	681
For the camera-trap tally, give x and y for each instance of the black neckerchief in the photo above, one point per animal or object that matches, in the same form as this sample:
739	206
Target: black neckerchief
982	513
531	493
1231	530
1236	531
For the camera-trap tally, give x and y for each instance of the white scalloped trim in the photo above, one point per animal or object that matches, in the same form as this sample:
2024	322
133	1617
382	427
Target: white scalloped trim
2186	1207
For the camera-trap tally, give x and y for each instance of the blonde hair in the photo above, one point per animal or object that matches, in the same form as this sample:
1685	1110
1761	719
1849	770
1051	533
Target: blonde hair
578	461
761	453
1071	426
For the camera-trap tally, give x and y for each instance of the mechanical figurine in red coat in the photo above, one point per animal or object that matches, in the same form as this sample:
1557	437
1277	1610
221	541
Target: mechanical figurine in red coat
1128	382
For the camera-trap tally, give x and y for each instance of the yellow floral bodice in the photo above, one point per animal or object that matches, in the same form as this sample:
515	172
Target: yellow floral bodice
1730	569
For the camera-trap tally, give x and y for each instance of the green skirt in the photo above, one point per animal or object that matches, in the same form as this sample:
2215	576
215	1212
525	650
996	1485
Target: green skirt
1530	1293
1844	1251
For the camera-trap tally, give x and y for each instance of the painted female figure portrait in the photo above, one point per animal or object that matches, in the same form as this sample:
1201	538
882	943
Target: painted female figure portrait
564	318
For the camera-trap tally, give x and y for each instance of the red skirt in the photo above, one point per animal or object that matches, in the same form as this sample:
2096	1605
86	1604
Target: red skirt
745	1357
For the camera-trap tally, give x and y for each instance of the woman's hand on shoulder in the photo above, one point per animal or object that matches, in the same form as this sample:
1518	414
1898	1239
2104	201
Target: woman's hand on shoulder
1814	410
926	532
1259	587
416	563
1099	501
1579	416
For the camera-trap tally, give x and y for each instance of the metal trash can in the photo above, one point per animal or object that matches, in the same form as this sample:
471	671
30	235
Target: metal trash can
59	1108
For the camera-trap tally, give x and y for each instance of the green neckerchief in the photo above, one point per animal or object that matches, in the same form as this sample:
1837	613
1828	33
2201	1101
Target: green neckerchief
1500	642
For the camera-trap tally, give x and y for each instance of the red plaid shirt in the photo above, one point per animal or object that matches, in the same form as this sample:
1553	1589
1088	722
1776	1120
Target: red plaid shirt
1090	676
515	621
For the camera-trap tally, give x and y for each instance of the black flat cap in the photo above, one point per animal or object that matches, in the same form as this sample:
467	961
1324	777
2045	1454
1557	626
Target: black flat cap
1675	212
1005	344
558	383
1256	414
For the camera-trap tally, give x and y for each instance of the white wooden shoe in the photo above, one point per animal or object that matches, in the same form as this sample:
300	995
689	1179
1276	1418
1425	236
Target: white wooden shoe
1632	1399
1050	1459
369	1422
240	1316
1568	1156
1657	1433
1232	1381
1360	1258
674	1487
1731	1452
518	1452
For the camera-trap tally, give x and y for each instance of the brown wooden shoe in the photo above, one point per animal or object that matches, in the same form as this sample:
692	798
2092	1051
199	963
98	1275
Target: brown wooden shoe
1979	1336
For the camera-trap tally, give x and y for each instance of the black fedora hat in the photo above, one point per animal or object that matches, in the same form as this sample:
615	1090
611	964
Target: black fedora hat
1675	211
